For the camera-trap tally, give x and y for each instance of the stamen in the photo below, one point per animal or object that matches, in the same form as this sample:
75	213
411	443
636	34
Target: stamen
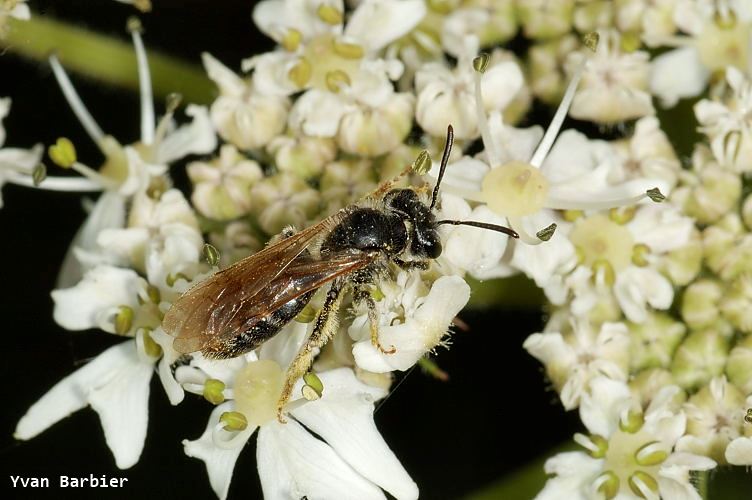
75	102
492	149
72	184
561	113
211	254
171	104
144	83
516	224
228	439
39	174
566	203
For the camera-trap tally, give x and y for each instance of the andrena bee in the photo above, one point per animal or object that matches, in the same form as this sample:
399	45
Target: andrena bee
240	307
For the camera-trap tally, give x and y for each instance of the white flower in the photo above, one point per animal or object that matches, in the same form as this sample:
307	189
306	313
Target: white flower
128	170
16	165
448	96
411	321
574	359
98	298
241	114
652	18
346	458
728	125
614	86
718	37
222	188
116	385
629	450
739	451
715	417
14	8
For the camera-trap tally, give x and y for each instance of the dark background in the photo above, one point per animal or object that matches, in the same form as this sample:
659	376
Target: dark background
494	415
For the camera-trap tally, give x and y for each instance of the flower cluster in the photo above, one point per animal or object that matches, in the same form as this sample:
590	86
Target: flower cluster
645	263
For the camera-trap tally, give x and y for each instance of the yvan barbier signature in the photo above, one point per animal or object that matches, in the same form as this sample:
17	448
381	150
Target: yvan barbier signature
90	481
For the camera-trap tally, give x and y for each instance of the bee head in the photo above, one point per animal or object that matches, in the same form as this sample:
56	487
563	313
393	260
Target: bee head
424	241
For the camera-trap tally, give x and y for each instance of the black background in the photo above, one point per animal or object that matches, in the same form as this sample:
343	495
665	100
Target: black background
495	413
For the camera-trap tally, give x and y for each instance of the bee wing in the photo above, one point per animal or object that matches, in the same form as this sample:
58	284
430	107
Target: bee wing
231	318
193	315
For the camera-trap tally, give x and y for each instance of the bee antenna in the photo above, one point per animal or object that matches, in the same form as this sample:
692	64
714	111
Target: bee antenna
444	161
483	225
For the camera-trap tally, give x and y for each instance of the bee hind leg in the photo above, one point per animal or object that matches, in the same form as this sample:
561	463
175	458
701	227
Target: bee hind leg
363	296
324	328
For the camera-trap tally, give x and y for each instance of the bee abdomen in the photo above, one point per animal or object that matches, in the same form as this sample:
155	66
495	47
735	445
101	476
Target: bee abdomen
259	333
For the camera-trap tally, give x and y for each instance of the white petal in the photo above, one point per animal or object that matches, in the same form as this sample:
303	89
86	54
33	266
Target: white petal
343	417
477	250
294	464
307	115
228	82
418	334
108	213
500	85
102	289
601	407
377	23
20	160
123	408
195	138
220	462
677	74
636	287
739	451
116	383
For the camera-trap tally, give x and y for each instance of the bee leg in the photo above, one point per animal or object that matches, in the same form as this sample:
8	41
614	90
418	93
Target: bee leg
409	265
361	295
324	328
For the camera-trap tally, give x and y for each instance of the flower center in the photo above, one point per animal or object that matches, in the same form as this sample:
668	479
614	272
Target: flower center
257	389
599	239
723	45
635	460
328	64
515	189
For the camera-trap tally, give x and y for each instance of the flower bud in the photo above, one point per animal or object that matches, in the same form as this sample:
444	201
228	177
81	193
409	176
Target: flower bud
683	264
716	192
736	304
739	364
302	155
373	132
653	342
542	19
699	358
700	303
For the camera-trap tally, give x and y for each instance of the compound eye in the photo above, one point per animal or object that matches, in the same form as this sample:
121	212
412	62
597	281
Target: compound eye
427	244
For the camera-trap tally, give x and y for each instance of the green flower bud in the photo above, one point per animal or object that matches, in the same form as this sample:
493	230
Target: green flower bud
542	19
653	342
683	264
699	358
739	364
700	303
591	16
716	192
647	383
736	304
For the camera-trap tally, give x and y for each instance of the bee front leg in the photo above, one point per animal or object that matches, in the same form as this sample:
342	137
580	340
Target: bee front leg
409	265
364	296
323	330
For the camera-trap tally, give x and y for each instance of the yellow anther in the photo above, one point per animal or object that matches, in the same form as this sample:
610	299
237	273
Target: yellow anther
605	267
622	215
313	388
330	15
123	320
213	391
151	348
300	74
590	40
348	50
571	215
291	40
480	63
546	233
646	479
62	153
422	164
154	294
211	254
234	421
632	421
306	315
336	79
609	484
39	174
640	253
650	454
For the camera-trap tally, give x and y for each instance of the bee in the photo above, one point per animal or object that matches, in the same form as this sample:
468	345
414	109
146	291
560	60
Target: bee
239	308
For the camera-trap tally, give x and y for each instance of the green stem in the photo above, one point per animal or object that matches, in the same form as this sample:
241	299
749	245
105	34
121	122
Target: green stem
104	58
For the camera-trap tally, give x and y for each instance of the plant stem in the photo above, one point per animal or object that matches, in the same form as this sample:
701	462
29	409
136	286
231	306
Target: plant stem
103	58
